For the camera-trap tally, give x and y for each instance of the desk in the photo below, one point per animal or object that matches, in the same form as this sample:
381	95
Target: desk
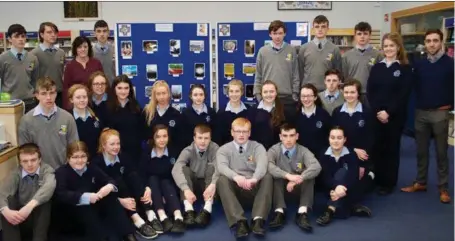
8	161
10	117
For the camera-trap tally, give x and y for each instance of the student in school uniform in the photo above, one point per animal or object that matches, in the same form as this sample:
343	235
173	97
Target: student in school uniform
133	195
294	169
88	125
19	69
50	57
198	113
156	165
331	97
389	86
87	196
159	111
234	108
313	122
78	70
242	165
99	87
195	173
47	125
319	55
358	61
278	62
125	116
103	50
356	120
267	116
344	183
25	196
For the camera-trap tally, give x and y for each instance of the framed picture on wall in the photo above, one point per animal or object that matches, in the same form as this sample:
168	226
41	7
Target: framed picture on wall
81	11
302	5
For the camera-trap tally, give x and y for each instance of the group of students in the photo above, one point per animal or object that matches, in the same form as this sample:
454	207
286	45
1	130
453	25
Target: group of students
114	160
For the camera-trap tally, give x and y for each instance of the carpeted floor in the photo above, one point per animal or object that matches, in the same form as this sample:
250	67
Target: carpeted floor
398	217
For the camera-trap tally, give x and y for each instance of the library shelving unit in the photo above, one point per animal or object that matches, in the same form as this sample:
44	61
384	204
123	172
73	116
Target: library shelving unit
64	41
31	43
2	42
344	38
90	34
447	29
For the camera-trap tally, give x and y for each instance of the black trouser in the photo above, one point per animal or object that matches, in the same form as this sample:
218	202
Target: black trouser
59	100
38	222
107	215
167	189
129	187
386	151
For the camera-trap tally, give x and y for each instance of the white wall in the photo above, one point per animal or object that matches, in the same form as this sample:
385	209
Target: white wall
342	15
390	7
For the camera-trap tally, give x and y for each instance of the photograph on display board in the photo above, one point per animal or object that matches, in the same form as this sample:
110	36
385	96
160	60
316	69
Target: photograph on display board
150	46
202	29
249	69
148	91
268	42
124	30
179	106
224	30
199	71
301	29
226	90
296	43
249	91
152	71
129	70
196	46
230	45
174	47
250	48
229	71
176	92
175	69
127	49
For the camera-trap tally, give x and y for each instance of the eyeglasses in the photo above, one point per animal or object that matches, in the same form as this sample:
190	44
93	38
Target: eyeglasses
79	157
99	84
241	132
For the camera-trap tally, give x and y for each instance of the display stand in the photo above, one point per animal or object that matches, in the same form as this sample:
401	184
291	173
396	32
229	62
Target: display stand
237	48
178	53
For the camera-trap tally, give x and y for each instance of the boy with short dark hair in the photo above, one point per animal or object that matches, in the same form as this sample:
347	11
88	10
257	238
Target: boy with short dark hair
195	172
357	62
25	196
318	55
19	69
331	97
50	57
278	63
47	125
103	50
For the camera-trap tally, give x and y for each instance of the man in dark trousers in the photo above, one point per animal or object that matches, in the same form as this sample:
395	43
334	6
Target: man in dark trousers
434	83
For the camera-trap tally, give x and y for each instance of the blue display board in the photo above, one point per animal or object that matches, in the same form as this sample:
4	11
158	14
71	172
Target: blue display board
178	53
237	48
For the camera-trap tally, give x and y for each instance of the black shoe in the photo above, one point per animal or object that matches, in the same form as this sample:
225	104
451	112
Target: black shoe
146	231
278	220
203	219
156	225
384	191
242	229
258	227
189	217
301	219
361	211
130	237
178	227
167	225
326	218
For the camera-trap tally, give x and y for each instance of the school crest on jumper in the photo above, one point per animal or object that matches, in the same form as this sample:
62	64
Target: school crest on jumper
329	57
397	73
62	60
172	123
361	123
32	65
96	124
319	124
122	170
63	130
372	61
93	179
289	57
207	118
299	167
172	160
345	166
250	159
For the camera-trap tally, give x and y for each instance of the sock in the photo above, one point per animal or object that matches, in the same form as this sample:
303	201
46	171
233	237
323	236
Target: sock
208	206
162	215
257	217
138	220
302	209
280	210
178	215
150	215
188	206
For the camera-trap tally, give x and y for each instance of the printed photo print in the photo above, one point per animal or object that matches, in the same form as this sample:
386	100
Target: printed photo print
230	45
124	30
150	46
199	71
250	48
129	70
127	49
249	91
202	29
148	91
229	70
196	46
179	106
174	47
249	69
224	30
176	92
175	69
152	72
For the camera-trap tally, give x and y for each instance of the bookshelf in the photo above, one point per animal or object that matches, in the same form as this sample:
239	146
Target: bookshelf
90	34
344	38
447	30
2	42
31	42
